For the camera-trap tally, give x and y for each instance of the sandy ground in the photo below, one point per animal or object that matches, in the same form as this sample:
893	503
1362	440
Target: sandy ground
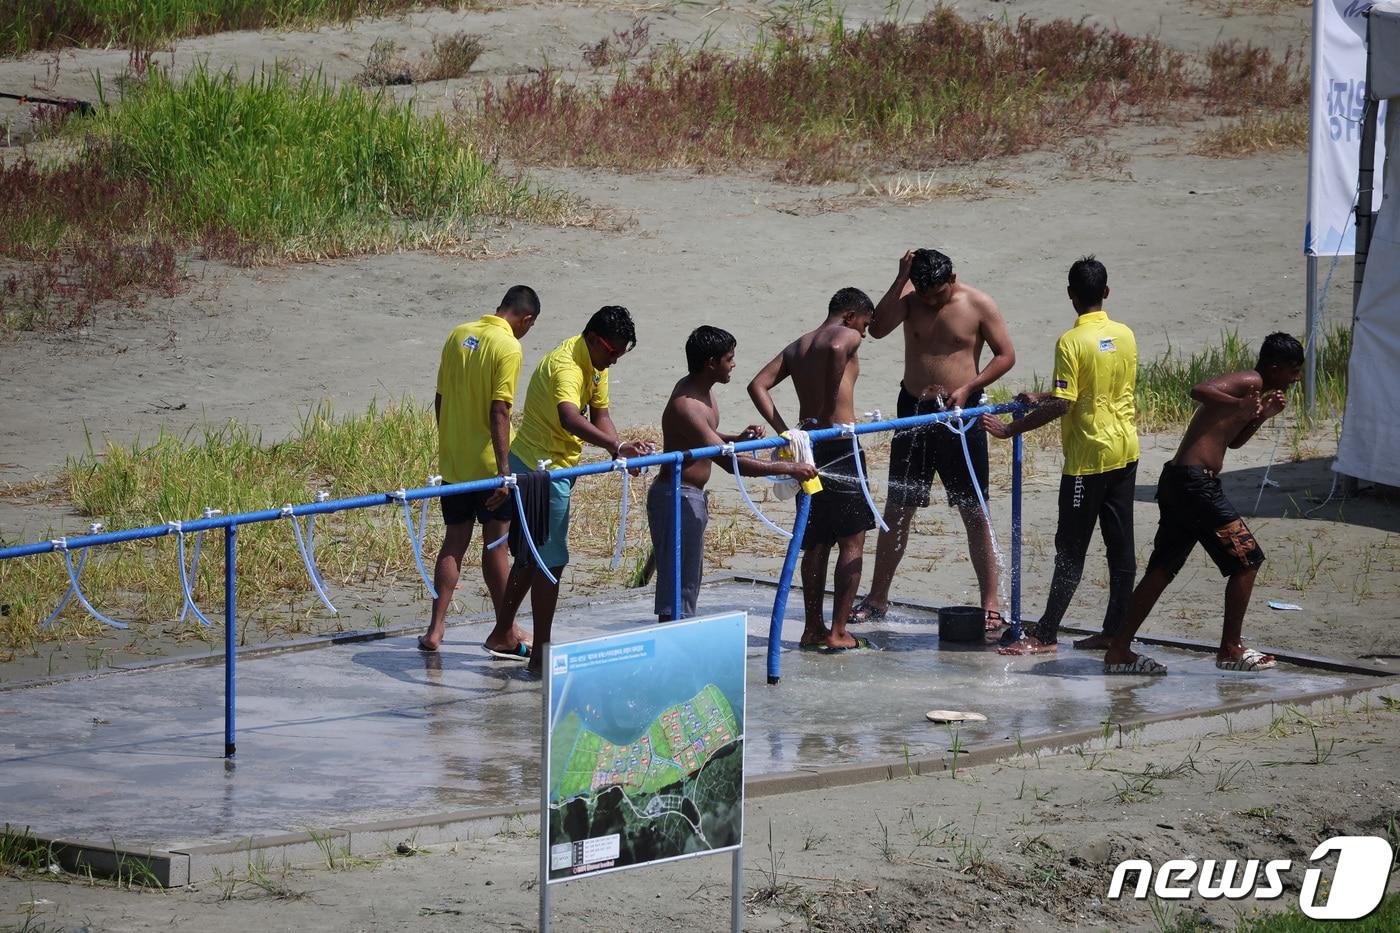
1194	246
1029	843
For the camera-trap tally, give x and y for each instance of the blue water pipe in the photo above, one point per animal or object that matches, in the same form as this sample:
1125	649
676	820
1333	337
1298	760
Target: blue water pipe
676	534
775	624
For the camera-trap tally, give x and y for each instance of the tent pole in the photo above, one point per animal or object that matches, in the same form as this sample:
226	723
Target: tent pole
1314	327
1365	217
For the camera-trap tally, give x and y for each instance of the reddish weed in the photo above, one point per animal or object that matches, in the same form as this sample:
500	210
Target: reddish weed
825	103
81	234
821	106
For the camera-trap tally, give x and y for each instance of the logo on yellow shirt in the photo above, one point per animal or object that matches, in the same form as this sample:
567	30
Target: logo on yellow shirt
471	343
1107	345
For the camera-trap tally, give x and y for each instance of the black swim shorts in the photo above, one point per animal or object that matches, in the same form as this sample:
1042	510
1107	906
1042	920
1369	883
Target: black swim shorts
466	506
916	454
1194	510
840	509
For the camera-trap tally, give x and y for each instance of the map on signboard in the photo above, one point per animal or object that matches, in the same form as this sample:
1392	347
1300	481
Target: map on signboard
646	759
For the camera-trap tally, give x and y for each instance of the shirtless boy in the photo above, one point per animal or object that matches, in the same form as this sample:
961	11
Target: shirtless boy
691	419
1194	508
946	325
824	368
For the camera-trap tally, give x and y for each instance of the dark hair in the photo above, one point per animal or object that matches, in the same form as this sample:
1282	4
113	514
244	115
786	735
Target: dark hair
706	343
522	300
930	269
613	324
1280	349
1087	281
850	299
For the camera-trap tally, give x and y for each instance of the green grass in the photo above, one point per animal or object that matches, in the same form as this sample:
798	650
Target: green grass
1164	384
28	25
260	169
298	168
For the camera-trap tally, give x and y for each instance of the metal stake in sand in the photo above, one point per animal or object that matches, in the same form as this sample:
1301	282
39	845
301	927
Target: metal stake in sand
230	637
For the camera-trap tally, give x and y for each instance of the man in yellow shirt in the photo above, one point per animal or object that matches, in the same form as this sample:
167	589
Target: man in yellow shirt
1095	375
571	379
477	373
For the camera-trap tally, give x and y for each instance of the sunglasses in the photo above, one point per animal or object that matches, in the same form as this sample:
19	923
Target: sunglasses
609	347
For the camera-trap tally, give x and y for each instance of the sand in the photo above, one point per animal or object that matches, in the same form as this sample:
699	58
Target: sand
1194	247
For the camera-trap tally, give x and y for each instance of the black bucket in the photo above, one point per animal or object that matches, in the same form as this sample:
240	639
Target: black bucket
962	623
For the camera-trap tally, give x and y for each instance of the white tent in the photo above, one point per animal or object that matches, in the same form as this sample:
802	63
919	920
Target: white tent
1370	444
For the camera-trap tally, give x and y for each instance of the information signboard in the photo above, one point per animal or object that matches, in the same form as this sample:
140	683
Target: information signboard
644	747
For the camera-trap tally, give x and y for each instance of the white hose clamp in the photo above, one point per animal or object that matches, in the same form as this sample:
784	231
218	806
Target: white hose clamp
435	480
59	544
399	495
848	429
727	449
95	528
287	512
175	527
508	481
322	495
620	463
210	513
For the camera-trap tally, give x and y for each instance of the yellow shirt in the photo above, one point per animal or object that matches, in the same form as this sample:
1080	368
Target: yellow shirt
566	374
1096	370
480	365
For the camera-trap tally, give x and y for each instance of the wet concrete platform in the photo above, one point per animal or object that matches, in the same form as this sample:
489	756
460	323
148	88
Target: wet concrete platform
376	741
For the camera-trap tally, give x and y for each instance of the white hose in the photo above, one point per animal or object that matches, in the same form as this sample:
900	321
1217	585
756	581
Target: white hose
743	491
860	475
308	559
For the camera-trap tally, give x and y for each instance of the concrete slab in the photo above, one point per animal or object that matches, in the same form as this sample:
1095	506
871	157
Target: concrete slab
352	747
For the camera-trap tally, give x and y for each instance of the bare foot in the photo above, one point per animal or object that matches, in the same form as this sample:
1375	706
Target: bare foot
842	641
1097	642
814	638
1030	645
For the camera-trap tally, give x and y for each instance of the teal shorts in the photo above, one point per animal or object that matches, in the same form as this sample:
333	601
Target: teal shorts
555	552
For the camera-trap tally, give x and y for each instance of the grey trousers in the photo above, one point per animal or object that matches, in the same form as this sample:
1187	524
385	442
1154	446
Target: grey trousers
695	515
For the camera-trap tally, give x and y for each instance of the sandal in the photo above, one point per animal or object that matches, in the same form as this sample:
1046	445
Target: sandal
1252	660
866	612
993	620
1141	664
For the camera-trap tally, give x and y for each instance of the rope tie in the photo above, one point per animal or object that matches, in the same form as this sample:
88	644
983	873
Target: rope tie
743	491
308	557
620	464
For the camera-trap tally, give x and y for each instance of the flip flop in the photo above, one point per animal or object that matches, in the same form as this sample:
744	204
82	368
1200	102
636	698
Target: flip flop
953	715
426	649
1142	664
865	612
860	645
813	646
1252	660
993	620
521	652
